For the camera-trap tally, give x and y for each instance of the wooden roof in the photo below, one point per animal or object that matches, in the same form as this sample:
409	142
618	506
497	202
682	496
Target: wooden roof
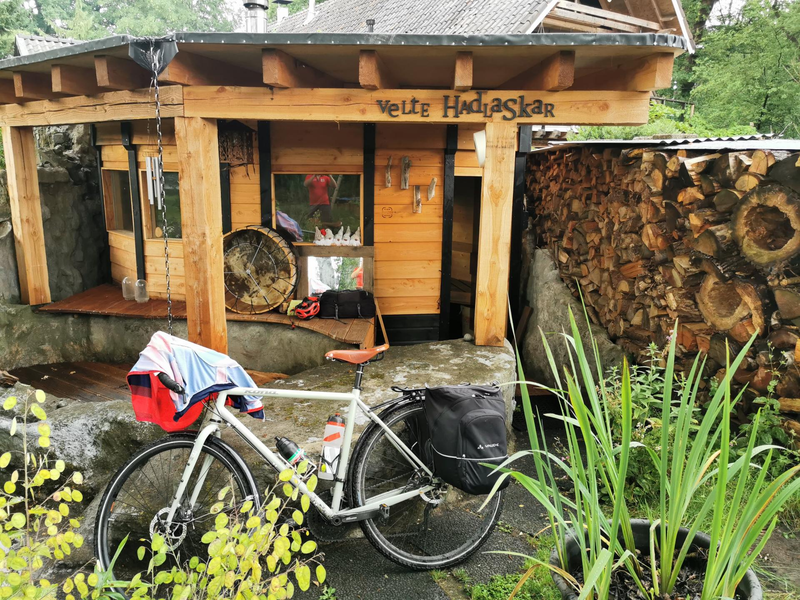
594	78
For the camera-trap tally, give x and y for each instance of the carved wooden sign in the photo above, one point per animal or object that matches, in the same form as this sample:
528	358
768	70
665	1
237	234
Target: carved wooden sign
456	105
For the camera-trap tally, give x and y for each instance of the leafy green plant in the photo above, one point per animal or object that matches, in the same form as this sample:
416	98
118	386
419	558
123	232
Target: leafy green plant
252	553
328	593
438	576
36	525
532	584
690	457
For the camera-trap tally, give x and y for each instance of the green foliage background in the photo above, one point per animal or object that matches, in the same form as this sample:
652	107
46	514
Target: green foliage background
745	76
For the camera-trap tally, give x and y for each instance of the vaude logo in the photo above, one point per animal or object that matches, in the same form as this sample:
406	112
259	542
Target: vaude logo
483	447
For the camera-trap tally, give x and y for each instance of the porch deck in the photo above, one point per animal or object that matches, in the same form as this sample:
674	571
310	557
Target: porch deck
95	382
107	300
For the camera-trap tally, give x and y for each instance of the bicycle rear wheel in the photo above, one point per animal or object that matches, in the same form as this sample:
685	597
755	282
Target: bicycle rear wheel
137	501
434	531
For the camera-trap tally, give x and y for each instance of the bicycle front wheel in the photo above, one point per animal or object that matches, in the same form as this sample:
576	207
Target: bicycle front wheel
435	530
137	501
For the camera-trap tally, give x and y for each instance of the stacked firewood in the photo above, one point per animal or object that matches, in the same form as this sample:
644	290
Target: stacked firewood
649	236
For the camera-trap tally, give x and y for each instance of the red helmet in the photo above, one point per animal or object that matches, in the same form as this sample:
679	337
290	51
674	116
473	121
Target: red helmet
308	308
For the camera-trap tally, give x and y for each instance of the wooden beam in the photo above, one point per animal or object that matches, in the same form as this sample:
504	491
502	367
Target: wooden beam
26	214
33	86
610	15
110	106
463	77
77	81
354	105
554	73
494	238
7	92
281	70
373	74
192	69
120	73
201	225
646	74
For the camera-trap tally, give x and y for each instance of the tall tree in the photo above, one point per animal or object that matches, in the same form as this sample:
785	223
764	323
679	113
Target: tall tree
697	15
746	71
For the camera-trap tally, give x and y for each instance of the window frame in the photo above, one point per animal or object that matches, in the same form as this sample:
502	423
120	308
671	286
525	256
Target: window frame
311	169
109	201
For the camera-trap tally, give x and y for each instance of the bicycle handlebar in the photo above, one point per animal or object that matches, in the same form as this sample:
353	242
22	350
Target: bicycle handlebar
171	384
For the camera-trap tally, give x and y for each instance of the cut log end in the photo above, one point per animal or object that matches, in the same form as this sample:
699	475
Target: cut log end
766	224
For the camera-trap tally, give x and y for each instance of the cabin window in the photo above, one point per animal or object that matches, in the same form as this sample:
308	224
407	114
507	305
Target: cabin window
172	201
117	197
322	208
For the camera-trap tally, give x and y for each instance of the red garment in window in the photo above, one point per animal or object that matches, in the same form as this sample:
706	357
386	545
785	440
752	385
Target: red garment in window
318	189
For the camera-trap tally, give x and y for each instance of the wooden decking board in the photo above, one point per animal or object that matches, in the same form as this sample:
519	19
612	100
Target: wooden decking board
58	381
95	382
107	300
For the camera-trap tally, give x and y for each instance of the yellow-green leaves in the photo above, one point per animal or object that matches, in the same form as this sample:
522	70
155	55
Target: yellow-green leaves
40	396
308	547
321	574
303	576
286	475
5	458
9	403
38	412
17	520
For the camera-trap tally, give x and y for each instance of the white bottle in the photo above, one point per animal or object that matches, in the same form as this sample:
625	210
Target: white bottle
331	447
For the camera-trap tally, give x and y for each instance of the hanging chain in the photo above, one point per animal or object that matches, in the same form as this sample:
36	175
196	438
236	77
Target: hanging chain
154	62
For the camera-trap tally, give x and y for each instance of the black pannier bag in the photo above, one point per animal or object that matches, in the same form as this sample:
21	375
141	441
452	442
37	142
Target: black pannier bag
346	304
467	427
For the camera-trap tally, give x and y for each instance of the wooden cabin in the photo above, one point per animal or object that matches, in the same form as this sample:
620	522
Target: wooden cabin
357	106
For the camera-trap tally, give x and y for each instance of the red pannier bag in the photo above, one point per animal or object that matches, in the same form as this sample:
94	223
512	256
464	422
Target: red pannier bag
152	403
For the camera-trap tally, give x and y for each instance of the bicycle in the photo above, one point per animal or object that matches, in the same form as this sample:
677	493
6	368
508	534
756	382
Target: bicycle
407	513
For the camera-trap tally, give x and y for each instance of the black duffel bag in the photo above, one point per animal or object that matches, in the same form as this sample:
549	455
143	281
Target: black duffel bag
467	427
346	304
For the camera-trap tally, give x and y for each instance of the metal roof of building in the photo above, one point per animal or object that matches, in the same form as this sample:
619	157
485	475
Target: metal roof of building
25	45
232	42
736	142
445	17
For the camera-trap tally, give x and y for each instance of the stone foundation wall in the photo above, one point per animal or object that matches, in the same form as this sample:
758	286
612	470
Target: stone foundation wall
31	338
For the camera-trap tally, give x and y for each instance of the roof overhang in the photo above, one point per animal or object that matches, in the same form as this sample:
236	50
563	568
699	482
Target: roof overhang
552	62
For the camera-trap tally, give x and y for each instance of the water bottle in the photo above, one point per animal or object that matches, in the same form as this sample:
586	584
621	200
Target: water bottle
331	447
294	454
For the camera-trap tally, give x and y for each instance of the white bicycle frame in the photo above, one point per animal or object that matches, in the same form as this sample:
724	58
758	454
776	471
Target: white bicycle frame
221	414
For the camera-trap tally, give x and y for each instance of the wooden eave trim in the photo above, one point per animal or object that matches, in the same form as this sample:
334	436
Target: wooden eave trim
109	106
361	106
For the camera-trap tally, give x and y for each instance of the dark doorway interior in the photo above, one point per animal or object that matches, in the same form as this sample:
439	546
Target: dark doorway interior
466	217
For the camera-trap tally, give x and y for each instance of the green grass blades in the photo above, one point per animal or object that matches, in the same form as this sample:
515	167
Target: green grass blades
693	463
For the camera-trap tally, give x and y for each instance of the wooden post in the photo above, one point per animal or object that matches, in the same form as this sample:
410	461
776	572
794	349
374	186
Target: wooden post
201	223
26	214
494	240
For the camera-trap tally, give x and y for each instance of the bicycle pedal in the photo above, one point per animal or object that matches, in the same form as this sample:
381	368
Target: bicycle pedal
384	512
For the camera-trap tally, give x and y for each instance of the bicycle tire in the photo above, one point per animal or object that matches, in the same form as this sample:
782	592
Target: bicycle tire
481	525
227	457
